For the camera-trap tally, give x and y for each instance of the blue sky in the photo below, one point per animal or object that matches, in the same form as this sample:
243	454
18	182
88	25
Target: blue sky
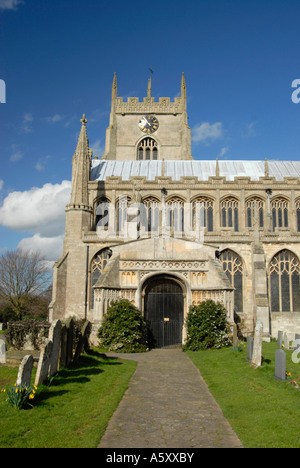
58	57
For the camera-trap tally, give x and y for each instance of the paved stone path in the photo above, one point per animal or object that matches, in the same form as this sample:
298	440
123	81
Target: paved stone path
167	405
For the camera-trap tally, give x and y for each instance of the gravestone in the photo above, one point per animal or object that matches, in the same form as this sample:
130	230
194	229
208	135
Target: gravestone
70	336
25	371
296	343
63	346
257	345
82	341
54	336
286	341
279	338
2	352
249	348
42	372
280	365
67	333
234	335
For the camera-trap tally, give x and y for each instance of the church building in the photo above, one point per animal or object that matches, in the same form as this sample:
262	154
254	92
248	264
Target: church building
149	223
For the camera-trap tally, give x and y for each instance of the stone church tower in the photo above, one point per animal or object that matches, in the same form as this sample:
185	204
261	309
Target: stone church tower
149	223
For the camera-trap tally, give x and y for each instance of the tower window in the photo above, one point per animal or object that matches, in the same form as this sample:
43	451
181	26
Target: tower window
147	149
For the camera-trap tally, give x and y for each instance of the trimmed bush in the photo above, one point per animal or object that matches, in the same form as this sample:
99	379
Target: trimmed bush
207	327
124	329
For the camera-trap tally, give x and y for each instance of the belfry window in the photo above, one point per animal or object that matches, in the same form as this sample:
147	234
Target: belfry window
230	213
255	212
98	264
280	213
233	267
147	149
284	271
202	213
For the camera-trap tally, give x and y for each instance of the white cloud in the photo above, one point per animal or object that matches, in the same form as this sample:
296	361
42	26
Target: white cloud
250	129
16	154
38	210
223	151
50	247
206	132
55	118
27	119
41	164
1	184
9	4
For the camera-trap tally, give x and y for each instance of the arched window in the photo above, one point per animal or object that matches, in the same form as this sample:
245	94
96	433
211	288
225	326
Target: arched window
175	214
202	213
230	213
280	213
284	276
102	213
98	264
255	212
233	267
151	214
121	213
298	214
147	149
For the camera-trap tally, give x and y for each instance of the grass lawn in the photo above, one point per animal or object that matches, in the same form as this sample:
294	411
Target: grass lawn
263	412
73	411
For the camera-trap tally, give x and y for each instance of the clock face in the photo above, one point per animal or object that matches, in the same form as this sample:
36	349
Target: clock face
148	124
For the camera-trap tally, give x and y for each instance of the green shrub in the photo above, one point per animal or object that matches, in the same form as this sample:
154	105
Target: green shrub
207	327
124	329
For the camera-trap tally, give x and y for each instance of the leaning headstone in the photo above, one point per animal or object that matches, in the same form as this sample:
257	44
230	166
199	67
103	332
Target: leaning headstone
54	336
25	371
63	346
279	338
280	365
70	335
2	352
257	345
249	348
42	372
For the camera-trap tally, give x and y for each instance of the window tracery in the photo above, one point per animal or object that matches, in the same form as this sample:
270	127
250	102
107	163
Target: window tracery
202	213
147	149
279	212
233	268
230	213
255	212
284	273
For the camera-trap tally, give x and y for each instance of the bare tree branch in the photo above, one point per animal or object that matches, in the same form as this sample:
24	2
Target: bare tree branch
22	273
